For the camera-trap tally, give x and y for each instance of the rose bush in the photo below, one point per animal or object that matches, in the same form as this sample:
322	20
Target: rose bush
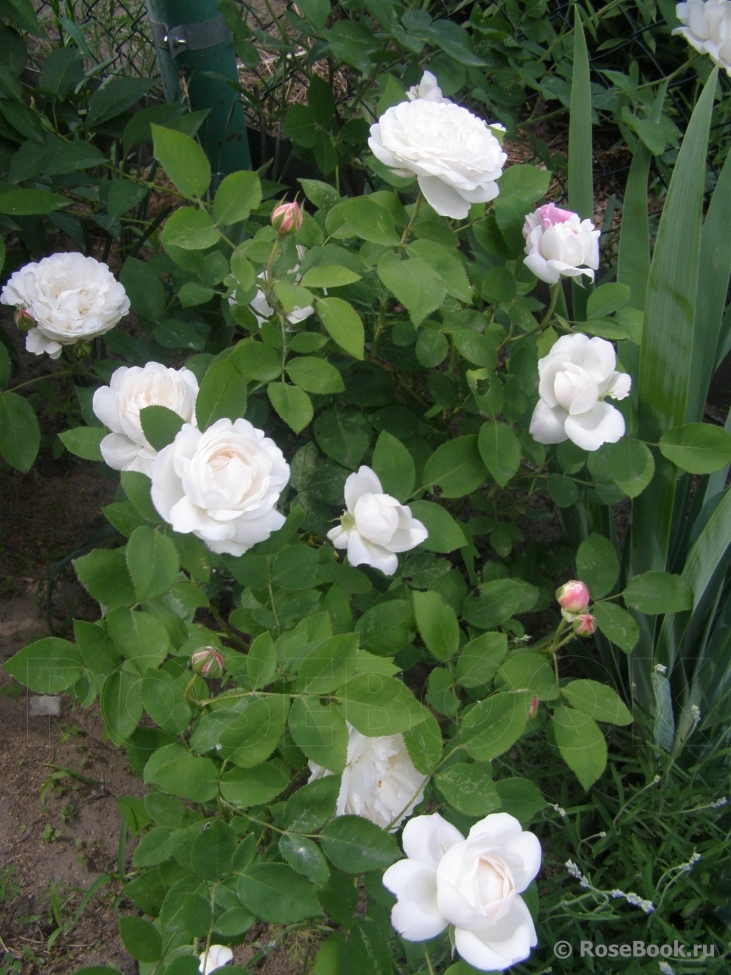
71	299
421	659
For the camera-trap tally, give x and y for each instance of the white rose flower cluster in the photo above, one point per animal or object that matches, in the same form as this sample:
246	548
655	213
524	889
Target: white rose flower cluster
707	28
118	406
375	525
575	377
69	297
453	153
222	484
380	782
559	243
473	884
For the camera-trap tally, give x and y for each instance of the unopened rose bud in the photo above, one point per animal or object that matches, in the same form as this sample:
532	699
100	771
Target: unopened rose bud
287	218
24	321
207	662
584	625
573	596
533	709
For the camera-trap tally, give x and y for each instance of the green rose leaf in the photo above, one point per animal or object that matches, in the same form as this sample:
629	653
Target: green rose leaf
581	744
698	448
275	893
48	666
355	845
617	625
597	700
597	565
153	563
183	160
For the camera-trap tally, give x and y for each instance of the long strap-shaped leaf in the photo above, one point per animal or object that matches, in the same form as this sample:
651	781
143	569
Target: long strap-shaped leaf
633	262
668	334
704	571
665	366
581	176
713	278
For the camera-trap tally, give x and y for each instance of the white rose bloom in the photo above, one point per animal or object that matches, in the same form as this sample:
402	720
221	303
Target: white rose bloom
558	242
71	298
428	89
707	28
217	956
375	526
264	311
453	153
473	884
118	406
380	782
221	485
575	377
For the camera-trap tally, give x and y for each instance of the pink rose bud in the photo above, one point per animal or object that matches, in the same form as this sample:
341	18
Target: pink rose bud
207	662
584	624
24	321
533	709
573	596
287	218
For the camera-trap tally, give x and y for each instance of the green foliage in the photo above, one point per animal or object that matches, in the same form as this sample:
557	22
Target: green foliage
400	341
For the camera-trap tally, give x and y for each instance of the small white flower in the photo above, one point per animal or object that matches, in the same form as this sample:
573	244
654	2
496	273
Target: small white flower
661	668
428	89
263	311
695	713
380	782
665	968
453	153
218	955
118	406
375	526
473	884
558	242
723	801
70	297
575	377
221	485
559	809
707	28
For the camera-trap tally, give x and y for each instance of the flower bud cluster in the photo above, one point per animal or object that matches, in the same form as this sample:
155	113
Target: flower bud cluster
574	597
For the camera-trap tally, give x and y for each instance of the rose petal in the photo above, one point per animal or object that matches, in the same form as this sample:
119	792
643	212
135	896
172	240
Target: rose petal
428	838
416	916
500	945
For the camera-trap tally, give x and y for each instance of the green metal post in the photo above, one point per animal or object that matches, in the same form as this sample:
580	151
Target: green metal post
191	38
